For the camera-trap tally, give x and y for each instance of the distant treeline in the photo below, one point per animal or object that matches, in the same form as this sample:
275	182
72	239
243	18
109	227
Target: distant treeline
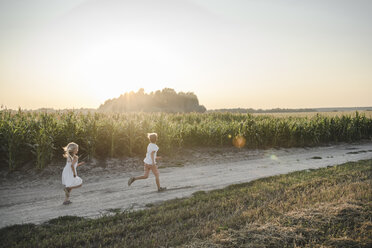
166	100
287	110
251	110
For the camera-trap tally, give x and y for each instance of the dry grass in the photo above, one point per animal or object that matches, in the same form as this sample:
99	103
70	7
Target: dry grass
324	225
328	207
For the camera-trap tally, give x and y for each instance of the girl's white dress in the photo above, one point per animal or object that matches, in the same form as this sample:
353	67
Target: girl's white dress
68	178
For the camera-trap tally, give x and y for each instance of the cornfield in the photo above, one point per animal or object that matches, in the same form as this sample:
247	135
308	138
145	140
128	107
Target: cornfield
39	137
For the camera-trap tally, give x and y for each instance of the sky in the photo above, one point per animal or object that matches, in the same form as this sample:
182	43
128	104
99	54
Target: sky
230	53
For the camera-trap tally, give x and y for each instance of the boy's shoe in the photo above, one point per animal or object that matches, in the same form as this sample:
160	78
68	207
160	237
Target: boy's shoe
161	189
67	202
130	181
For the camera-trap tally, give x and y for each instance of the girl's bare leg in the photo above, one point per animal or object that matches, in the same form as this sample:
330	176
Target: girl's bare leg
67	194
74	187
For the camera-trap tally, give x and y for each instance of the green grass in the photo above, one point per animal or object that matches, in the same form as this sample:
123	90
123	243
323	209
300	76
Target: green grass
328	207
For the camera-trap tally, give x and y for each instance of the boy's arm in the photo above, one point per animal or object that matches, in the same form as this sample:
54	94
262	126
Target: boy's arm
153	157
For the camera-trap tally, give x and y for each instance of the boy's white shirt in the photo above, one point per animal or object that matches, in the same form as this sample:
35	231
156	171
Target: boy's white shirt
151	148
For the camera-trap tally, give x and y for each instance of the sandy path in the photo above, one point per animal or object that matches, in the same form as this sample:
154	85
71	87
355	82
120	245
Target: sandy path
37	201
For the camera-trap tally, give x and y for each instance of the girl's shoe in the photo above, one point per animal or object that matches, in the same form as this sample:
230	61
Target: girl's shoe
130	181
161	189
67	202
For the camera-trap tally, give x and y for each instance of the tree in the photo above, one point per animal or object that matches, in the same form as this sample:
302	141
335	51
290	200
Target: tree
166	100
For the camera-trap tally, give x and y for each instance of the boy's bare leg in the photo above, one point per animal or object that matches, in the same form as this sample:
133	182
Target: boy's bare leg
145	176
155	171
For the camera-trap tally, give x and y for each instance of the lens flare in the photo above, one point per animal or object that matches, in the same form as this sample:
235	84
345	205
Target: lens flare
273	157
239	141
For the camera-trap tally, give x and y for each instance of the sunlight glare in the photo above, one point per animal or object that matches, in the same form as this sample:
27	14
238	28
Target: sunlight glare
239	141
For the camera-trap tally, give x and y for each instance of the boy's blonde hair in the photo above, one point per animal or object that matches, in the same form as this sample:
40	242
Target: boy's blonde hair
152	137
70	148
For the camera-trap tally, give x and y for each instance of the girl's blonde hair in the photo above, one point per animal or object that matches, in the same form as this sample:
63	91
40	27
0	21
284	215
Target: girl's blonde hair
152	137
70	148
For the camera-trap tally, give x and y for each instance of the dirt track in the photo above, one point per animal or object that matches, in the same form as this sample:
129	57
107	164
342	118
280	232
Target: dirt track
39	197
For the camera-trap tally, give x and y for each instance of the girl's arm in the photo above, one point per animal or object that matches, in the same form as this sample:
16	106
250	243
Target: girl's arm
81	163
159	158
72	165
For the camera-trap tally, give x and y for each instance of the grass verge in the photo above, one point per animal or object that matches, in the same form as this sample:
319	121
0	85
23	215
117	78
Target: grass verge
328	207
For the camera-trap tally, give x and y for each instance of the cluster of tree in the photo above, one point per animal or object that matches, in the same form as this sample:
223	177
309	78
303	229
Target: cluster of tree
166	100
251	110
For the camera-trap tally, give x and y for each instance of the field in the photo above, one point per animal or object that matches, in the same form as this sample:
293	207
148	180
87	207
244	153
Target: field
39	137
329	207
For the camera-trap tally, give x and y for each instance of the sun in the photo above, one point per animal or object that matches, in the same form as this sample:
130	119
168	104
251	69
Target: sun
111	69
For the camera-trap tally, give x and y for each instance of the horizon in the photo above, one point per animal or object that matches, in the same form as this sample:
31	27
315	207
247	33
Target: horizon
232	54
2	107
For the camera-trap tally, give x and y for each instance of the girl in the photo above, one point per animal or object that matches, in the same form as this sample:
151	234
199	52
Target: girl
150	162
69	175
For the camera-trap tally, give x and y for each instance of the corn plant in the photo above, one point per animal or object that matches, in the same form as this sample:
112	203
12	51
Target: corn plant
117	135
43	142
14	129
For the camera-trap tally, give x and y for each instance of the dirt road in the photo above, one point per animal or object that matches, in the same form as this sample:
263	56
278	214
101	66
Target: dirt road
40	198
